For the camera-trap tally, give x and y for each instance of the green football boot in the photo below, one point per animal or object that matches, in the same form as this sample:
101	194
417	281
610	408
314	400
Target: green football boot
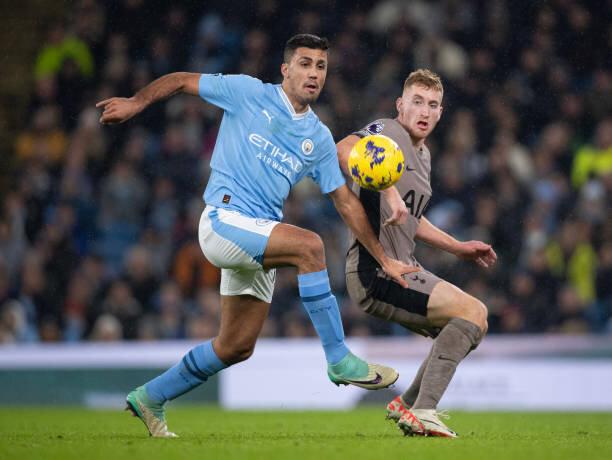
352	370
151	414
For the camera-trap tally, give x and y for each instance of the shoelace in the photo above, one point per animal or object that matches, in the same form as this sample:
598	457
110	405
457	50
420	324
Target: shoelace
443	414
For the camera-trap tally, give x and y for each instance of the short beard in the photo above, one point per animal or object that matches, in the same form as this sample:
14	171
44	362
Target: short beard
307	100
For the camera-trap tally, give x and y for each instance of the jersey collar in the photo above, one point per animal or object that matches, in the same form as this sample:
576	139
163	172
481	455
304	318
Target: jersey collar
292	112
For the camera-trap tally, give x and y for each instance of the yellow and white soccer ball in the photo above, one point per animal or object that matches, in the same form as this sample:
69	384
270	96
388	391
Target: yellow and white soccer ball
376	162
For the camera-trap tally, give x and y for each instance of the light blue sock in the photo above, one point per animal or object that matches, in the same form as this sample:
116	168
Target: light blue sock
323	310
194	369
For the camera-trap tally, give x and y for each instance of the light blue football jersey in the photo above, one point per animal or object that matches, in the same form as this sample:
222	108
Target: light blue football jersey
264	147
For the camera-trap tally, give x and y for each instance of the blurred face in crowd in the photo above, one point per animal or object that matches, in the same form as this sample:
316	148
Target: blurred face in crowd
304	76
419	110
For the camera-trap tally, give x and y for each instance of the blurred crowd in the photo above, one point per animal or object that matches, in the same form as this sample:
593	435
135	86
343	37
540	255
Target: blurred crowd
98	233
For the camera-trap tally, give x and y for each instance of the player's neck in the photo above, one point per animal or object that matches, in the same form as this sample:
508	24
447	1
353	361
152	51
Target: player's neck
418	142
297	106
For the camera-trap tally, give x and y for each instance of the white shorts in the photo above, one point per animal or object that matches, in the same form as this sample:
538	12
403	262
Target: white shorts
236	244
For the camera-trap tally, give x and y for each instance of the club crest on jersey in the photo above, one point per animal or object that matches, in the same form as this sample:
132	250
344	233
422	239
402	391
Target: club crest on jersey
307	146
375	128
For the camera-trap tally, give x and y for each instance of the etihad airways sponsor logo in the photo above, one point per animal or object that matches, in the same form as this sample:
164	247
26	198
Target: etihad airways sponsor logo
271	153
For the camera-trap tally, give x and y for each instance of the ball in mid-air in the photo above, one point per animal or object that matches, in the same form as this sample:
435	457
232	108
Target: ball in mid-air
376	162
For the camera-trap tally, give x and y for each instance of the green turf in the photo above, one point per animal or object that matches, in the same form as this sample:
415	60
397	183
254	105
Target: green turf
210	433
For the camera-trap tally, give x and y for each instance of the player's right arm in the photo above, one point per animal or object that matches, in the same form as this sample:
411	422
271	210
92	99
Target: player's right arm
352	212
399	212
120	109
344	150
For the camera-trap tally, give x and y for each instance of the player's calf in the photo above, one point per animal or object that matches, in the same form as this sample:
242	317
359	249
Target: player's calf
242	318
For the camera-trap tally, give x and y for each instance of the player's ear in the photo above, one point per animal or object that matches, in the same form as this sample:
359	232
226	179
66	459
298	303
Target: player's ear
398	104
285	70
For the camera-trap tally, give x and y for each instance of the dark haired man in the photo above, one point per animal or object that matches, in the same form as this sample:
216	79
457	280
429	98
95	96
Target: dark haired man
269	140
429	306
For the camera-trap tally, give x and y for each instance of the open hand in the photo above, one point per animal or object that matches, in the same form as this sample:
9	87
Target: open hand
118	109
396	268
477	251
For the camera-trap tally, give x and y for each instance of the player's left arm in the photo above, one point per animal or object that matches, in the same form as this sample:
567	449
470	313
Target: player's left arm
477	251
399	211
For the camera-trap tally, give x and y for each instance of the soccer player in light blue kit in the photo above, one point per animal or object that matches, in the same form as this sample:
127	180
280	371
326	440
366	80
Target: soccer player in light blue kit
269	140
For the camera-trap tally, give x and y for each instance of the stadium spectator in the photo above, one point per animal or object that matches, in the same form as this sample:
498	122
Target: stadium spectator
594	160
45	141
61	51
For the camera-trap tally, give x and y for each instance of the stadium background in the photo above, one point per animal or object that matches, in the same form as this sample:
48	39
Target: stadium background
98	224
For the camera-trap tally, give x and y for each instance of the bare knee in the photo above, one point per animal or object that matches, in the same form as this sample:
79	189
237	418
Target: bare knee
311	254
235	351
448	301
476	312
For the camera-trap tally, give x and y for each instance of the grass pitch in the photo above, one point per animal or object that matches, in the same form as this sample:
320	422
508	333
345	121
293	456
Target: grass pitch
211	433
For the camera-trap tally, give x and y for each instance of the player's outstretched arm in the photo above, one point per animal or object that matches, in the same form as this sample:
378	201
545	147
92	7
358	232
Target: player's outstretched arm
399	212
352	212
477	251
120	109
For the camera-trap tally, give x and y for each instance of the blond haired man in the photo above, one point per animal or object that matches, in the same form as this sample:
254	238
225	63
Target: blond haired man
430	306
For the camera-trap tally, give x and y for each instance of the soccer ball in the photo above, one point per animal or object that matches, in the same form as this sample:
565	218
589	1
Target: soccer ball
376	162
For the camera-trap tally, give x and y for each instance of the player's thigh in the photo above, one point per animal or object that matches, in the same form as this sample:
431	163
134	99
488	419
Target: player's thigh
387	300
289	245
447	301
233	241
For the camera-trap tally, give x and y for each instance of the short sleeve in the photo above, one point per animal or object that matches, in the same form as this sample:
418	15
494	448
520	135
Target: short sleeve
326	173
228	91
374	127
